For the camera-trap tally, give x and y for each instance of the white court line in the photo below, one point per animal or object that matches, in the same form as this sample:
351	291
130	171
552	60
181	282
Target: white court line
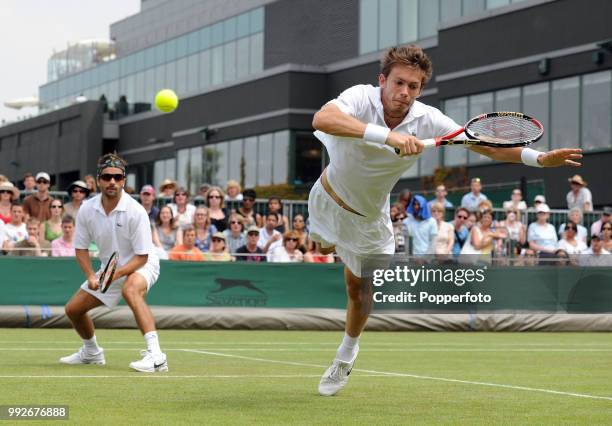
414	376
166	376
252	349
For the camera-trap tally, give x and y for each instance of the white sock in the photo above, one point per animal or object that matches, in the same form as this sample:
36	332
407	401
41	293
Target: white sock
152	342
348	348
91	345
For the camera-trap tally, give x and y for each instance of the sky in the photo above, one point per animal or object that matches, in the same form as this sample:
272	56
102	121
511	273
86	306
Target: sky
32	29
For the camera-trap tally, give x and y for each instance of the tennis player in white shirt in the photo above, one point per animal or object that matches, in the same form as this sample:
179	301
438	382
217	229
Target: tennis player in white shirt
349	204
116	223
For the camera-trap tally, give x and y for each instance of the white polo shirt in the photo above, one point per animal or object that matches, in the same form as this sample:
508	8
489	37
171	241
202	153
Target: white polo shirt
126	230
363	173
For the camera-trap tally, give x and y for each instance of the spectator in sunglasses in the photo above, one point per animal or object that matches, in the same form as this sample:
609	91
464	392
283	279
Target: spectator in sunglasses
215	200
37	204
51	229
182	209
574	216
460	229
606	232
299	226
147	199
9	194
569	241
218	249
235	236
78	192
288	252
250	218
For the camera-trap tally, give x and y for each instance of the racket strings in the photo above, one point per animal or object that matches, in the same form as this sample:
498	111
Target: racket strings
505	129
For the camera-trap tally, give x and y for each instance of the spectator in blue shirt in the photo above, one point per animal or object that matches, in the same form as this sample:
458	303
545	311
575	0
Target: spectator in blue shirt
441	194
471	200
420	226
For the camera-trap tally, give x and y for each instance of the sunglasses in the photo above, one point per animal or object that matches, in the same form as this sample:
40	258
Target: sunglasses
56	206
216	240
253	234
607	228
569	228
81	191
107	177
181	194
235	222
293	239
5	191
142	193
42	181
462	217
214	196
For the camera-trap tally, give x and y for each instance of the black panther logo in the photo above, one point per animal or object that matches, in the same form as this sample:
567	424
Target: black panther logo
226	284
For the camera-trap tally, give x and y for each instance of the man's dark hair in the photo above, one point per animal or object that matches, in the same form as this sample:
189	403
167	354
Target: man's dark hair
67	219
460	209
250	193
410	55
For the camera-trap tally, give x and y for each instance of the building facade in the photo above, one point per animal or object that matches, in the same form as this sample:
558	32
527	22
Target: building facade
251	73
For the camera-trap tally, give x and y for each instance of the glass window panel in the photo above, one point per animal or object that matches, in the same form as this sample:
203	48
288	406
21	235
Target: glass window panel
428	18
205	69
492	4
181	46
139	91
204	35
280	170
217	65
139	61
265	157
171	50
113	93
256	60
229	29
408	20
209	166
149	85
130	89
182	160
113	70
229	61
596	110
149	57
160	78
387	23
564	113
195	169
368	28
457	109
250	162
181	76
473	7
160	54
257	20
535	103
508	99
222	164
450	9
159	172
429	161
243	25
192	73
479	104
193	42
242	56
217	34
235	157
170	74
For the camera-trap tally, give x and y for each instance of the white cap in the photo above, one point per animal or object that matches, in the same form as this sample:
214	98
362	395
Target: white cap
43	175
540	198
542	208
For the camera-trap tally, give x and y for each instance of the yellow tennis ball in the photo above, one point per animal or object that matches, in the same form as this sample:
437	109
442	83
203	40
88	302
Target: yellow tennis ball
166	100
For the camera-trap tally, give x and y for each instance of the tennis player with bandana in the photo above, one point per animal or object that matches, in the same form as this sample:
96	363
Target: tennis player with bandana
349	204
116	223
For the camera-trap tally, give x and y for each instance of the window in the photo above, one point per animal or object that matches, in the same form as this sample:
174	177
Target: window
229	61
205	73
229	29
182	165
368	17
457	109
387	22
243	25
479	104
508	99
250	162
195	169
265	156
535	103
281	157
408	18
428	18
257	48
181	76
429	161
221	162
257	20
564	113
217	65
449	9
596	110
242	56
235	159
163	169
192	73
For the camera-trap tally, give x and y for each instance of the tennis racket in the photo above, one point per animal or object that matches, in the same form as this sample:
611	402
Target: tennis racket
106	277
496	129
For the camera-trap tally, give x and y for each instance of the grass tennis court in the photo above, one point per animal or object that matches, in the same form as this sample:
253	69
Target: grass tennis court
271	377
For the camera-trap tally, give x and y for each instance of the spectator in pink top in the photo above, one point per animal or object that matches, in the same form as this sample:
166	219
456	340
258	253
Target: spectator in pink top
62	246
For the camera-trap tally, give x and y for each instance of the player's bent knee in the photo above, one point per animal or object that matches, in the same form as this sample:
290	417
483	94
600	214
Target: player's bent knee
134	288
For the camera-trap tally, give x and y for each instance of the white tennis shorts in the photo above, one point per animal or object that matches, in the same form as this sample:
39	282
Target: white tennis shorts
150	272
356	238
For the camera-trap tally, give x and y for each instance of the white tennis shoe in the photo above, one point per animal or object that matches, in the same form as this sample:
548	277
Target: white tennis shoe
150	363
83	357
336	376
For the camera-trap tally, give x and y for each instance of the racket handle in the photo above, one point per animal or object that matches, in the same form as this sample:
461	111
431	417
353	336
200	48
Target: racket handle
428	143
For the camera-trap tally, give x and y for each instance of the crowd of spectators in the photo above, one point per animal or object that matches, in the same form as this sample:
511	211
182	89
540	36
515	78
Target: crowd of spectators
203	227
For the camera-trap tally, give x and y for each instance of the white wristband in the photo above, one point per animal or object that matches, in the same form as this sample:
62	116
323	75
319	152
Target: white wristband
530	157
376	133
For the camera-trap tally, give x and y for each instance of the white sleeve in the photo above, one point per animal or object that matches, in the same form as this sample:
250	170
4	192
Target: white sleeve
531	233
140	233
443	125
352	101
82	237
2	233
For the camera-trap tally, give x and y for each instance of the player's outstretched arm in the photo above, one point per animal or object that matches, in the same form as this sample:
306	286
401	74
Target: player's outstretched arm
331	120
554	158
